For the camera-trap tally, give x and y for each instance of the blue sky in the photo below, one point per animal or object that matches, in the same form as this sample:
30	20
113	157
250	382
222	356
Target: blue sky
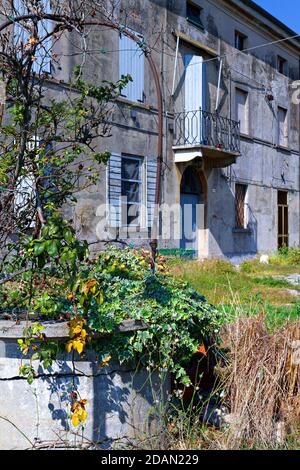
287	11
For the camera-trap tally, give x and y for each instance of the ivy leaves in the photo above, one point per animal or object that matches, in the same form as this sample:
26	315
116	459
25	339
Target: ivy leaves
118	286
57	241
179	320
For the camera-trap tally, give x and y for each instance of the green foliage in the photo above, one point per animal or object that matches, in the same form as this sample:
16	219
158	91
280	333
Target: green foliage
178	319
287	256
250	266
270	282
34	343
51	140
118	286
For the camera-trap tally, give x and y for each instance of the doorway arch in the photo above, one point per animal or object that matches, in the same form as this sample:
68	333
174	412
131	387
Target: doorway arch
192	204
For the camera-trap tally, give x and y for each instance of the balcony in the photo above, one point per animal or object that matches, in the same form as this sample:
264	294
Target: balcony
207	135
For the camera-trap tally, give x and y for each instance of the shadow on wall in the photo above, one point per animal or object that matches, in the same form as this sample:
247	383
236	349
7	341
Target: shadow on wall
126	407
124	402
225	238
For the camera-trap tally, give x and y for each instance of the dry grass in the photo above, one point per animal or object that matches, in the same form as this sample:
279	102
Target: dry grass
262	384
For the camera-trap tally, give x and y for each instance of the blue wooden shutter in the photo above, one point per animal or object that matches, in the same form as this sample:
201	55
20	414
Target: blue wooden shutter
195	85
131	62
114	190
194	82
151	185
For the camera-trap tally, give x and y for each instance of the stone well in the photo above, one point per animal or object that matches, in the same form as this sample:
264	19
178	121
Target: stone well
124	402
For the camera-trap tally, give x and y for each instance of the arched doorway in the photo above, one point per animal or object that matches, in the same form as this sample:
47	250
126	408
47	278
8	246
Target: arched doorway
191	195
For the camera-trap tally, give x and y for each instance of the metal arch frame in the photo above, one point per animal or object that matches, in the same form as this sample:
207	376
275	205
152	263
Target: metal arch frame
147	53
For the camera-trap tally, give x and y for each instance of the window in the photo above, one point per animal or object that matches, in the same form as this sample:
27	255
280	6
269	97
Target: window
283	219
131	62
242	112
240	41
131	190
193	14
240	197
282	130
22	35
282	65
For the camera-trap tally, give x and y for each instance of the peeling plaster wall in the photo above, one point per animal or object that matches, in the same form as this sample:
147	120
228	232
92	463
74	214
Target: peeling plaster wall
263	166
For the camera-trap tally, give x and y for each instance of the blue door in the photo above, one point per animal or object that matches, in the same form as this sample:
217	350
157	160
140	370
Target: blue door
189	230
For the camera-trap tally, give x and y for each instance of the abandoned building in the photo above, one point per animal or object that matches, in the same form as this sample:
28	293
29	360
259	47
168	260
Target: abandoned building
230	169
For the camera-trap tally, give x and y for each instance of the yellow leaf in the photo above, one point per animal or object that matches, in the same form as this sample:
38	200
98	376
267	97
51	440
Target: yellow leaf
69	346
75	419
105	361
74	407
83	416
76	330
31	42
78	345
92	283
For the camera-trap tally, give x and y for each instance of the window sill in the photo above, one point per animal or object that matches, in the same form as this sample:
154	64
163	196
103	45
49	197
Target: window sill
244	51
246	135
286	148
195	23
136	104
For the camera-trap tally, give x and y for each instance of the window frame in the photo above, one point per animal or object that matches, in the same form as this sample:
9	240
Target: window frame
285	142
191	18
243	37
141	182
283	217
241	222
245	131
281	61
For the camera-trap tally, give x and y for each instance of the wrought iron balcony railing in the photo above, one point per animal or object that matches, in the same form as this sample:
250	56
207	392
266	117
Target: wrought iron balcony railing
207	129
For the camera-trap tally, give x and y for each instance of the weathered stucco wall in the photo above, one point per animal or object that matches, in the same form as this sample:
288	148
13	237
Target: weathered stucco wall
263	166
123	401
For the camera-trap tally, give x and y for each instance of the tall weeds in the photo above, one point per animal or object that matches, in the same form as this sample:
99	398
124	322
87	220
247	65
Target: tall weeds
261	383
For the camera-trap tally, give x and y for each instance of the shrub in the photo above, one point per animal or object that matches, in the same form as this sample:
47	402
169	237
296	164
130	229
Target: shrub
179	320
119	285
286	256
